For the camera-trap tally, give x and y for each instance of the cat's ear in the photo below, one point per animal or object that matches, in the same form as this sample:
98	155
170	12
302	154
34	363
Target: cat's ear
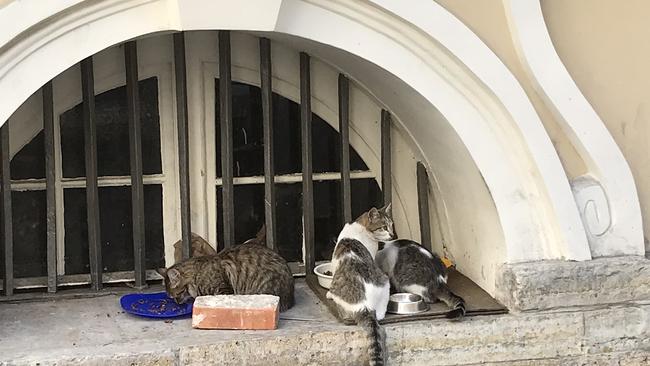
388	210
373	214
208	249
261	235
174	277
162	271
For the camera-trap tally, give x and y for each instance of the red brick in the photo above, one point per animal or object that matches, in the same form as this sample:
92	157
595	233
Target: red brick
254	312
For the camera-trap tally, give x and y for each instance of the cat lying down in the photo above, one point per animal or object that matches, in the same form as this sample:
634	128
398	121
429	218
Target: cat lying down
246	269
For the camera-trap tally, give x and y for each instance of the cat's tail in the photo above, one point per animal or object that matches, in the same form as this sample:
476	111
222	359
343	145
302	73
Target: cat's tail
455	302
376	335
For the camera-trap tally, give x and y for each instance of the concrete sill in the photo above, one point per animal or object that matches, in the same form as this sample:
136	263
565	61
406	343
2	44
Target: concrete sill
94	331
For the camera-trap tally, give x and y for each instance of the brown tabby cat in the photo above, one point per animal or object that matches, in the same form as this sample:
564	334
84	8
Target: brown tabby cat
199	247
246	269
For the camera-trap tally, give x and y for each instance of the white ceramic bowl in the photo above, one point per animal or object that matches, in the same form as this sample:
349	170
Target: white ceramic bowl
323	279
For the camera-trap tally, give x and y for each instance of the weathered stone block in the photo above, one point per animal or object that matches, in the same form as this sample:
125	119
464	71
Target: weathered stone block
165	358
487	339
613	359
557	284
321	348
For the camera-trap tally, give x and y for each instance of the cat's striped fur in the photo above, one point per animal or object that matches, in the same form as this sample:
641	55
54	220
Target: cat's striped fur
246	269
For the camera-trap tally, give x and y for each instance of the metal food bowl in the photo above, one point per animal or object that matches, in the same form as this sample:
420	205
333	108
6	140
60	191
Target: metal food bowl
406	303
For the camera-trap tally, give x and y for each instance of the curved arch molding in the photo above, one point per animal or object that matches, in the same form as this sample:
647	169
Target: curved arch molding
610	199
417	42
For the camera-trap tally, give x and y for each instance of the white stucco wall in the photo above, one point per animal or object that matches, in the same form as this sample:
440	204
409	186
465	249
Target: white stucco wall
606	52
593	159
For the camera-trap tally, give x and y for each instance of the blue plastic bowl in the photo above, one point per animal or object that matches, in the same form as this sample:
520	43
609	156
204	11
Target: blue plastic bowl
156	305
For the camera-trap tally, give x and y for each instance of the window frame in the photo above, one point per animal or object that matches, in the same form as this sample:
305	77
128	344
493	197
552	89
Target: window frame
67	95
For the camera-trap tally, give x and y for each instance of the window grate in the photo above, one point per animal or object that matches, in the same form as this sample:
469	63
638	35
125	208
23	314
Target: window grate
423	205
135	154
92	193
7	225
307	172
386	168
267	126
307	179
180	72
50	178
225	118
344	133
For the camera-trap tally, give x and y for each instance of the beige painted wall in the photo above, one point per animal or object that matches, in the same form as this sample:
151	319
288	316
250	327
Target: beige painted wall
486	18
605	45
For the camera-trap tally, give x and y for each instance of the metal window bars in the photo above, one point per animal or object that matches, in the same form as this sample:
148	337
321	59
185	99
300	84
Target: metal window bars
135	154
92	192
96	277
180	73
267	126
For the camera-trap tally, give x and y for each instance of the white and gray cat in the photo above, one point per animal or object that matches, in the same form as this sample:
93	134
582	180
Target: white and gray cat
360	291
359	288
412	268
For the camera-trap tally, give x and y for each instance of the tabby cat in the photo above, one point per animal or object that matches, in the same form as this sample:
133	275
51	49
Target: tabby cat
412	268
370	228
246	269
360	291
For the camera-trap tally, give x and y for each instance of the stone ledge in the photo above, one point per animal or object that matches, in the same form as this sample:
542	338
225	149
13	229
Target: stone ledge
612	359
616	335
560	284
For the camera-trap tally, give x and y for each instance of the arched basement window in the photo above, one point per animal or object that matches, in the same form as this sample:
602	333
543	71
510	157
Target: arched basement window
177	103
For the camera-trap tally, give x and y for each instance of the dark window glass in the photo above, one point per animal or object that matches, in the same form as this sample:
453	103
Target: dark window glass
249	216
113	133
30	235
116	229
326	145
248	146
249	212
328	219
29	162
365	194
247	131
288	203
328	212
287	149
